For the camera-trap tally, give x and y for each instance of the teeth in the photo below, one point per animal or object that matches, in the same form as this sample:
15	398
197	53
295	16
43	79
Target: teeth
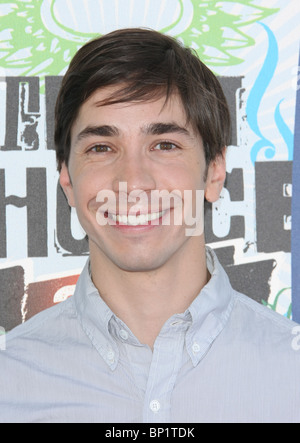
135	220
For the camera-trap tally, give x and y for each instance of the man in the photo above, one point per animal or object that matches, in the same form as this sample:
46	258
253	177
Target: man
154	331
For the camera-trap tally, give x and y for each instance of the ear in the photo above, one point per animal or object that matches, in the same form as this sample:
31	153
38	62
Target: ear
66	184
216	176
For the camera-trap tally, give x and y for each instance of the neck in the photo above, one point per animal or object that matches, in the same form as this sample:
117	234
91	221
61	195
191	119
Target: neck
144	301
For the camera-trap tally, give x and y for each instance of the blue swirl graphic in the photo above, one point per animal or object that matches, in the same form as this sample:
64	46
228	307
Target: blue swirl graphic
285	131
254	101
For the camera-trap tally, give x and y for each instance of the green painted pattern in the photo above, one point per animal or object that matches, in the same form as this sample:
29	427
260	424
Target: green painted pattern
27	44
274	305
209	25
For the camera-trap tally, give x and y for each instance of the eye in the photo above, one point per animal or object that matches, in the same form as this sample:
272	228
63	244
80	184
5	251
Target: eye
100	149
165	146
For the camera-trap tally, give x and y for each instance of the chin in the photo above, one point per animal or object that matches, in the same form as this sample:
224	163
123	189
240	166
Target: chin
139	265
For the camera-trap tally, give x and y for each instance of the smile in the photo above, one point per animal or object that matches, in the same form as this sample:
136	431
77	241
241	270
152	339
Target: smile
137	220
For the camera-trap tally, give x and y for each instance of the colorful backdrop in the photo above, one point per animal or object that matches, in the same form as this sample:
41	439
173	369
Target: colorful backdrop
251	45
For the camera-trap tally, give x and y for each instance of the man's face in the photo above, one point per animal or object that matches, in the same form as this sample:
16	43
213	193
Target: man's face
147	147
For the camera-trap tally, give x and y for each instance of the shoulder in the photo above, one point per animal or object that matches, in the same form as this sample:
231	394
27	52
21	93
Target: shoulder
33	341
259	311
37	361
48	321
260	324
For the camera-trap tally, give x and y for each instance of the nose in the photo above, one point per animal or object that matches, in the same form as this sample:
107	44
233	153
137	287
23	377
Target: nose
137	171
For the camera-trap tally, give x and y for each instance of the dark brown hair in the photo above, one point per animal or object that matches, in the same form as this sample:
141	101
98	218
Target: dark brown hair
146	64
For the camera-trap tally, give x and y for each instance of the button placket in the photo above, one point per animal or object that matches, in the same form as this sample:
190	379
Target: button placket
166	360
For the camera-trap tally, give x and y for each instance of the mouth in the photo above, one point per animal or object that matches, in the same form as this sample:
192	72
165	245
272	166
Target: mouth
136	220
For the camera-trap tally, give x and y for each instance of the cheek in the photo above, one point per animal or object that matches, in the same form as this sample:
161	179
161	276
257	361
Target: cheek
87	183
190	174
189	178
85	192
190	182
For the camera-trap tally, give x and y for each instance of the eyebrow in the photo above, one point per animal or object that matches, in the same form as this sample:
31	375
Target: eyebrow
113	131
102	131
164	128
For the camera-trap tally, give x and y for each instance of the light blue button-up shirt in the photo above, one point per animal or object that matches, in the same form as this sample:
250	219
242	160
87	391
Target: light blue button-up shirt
226	359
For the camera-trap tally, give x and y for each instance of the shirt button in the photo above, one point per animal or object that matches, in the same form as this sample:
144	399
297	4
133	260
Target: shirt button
123	334
155	406
110	356
196	348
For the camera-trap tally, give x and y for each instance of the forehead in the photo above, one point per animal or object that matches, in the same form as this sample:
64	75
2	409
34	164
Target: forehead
98	109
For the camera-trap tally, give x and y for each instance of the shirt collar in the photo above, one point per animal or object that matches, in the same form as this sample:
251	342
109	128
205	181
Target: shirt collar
209	313
95	315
